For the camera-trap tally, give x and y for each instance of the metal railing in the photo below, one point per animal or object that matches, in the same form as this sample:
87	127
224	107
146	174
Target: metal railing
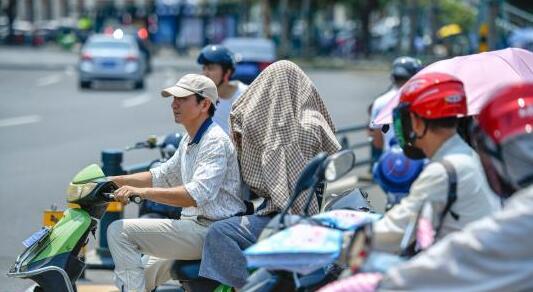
343	137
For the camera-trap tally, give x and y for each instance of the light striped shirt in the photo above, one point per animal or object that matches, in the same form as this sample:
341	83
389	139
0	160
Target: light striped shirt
207	167
475	199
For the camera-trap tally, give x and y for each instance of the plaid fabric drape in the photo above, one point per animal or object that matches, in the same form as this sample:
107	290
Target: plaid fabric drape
278	125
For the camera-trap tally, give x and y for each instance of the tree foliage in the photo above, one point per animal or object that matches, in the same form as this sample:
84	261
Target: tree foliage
455	11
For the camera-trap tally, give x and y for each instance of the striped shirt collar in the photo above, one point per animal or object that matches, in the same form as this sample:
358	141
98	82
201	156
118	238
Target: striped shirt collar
201	131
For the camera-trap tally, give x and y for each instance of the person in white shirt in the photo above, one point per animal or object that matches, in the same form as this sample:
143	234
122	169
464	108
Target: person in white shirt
218	63
225	104
425	124
202	177
403	68
493	253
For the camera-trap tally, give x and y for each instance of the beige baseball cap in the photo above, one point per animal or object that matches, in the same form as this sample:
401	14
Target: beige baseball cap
191	84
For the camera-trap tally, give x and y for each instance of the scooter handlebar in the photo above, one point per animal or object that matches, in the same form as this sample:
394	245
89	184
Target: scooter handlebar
150	143
135	198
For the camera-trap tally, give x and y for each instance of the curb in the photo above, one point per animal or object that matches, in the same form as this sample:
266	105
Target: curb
303	65
87	288
61	67
33	67
344	64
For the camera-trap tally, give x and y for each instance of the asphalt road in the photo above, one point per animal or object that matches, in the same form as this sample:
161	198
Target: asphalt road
50	129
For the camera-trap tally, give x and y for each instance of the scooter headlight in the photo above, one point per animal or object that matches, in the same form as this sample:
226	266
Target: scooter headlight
76	192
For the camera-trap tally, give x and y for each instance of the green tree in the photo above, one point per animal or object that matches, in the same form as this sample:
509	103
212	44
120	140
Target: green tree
455	11
362	10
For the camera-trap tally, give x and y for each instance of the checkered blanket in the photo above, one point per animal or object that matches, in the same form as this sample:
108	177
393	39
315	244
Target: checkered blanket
278	125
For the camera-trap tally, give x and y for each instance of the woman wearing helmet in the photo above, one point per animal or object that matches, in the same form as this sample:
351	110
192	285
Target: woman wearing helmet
425	124
494	253
218	63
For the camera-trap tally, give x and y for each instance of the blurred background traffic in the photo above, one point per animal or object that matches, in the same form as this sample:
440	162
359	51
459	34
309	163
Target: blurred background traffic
348	29
57	115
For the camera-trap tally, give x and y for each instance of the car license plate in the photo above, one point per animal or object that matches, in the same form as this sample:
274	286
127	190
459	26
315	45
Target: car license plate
108	64
36	237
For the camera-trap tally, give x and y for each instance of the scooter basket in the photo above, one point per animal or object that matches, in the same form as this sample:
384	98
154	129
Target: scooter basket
346	219
300	248
306	247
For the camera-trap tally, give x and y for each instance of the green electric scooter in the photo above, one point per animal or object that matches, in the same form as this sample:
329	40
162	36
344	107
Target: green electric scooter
52	255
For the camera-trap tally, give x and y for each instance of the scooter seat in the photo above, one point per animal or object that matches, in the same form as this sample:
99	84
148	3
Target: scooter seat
186	270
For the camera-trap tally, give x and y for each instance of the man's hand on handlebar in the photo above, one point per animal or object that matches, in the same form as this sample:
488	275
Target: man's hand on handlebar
124	194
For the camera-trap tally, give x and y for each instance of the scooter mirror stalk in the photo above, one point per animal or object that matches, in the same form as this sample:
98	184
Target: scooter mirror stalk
338	165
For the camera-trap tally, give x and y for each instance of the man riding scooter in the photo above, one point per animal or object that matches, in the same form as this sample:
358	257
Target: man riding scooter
202	177
425	123
403	68
494	253
218	63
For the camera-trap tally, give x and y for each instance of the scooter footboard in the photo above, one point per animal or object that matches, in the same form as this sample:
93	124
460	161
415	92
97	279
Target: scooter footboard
263	280
354	200
49	279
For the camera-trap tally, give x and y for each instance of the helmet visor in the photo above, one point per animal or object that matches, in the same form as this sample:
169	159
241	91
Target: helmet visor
399	116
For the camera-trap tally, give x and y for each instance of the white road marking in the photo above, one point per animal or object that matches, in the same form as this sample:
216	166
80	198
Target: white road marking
70	70
170	78
136	101
48	80
17	121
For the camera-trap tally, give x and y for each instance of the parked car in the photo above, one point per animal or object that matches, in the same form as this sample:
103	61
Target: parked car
111	57
253	55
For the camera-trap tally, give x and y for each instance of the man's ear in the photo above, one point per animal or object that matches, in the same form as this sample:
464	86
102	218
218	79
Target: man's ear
207	105
204	105
227	75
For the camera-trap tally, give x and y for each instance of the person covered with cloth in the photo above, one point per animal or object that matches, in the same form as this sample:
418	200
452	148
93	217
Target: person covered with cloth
493	253
425	123
202	177
278	125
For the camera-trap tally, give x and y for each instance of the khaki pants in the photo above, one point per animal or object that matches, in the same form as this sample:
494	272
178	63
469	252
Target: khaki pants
161	241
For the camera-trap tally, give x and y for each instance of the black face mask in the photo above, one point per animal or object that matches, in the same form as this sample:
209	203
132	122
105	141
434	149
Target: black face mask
413	152
404	132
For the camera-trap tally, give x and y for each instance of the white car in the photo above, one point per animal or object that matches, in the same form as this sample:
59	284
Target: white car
111	57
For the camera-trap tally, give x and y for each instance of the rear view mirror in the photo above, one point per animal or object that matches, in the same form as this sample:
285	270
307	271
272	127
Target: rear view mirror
339	164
